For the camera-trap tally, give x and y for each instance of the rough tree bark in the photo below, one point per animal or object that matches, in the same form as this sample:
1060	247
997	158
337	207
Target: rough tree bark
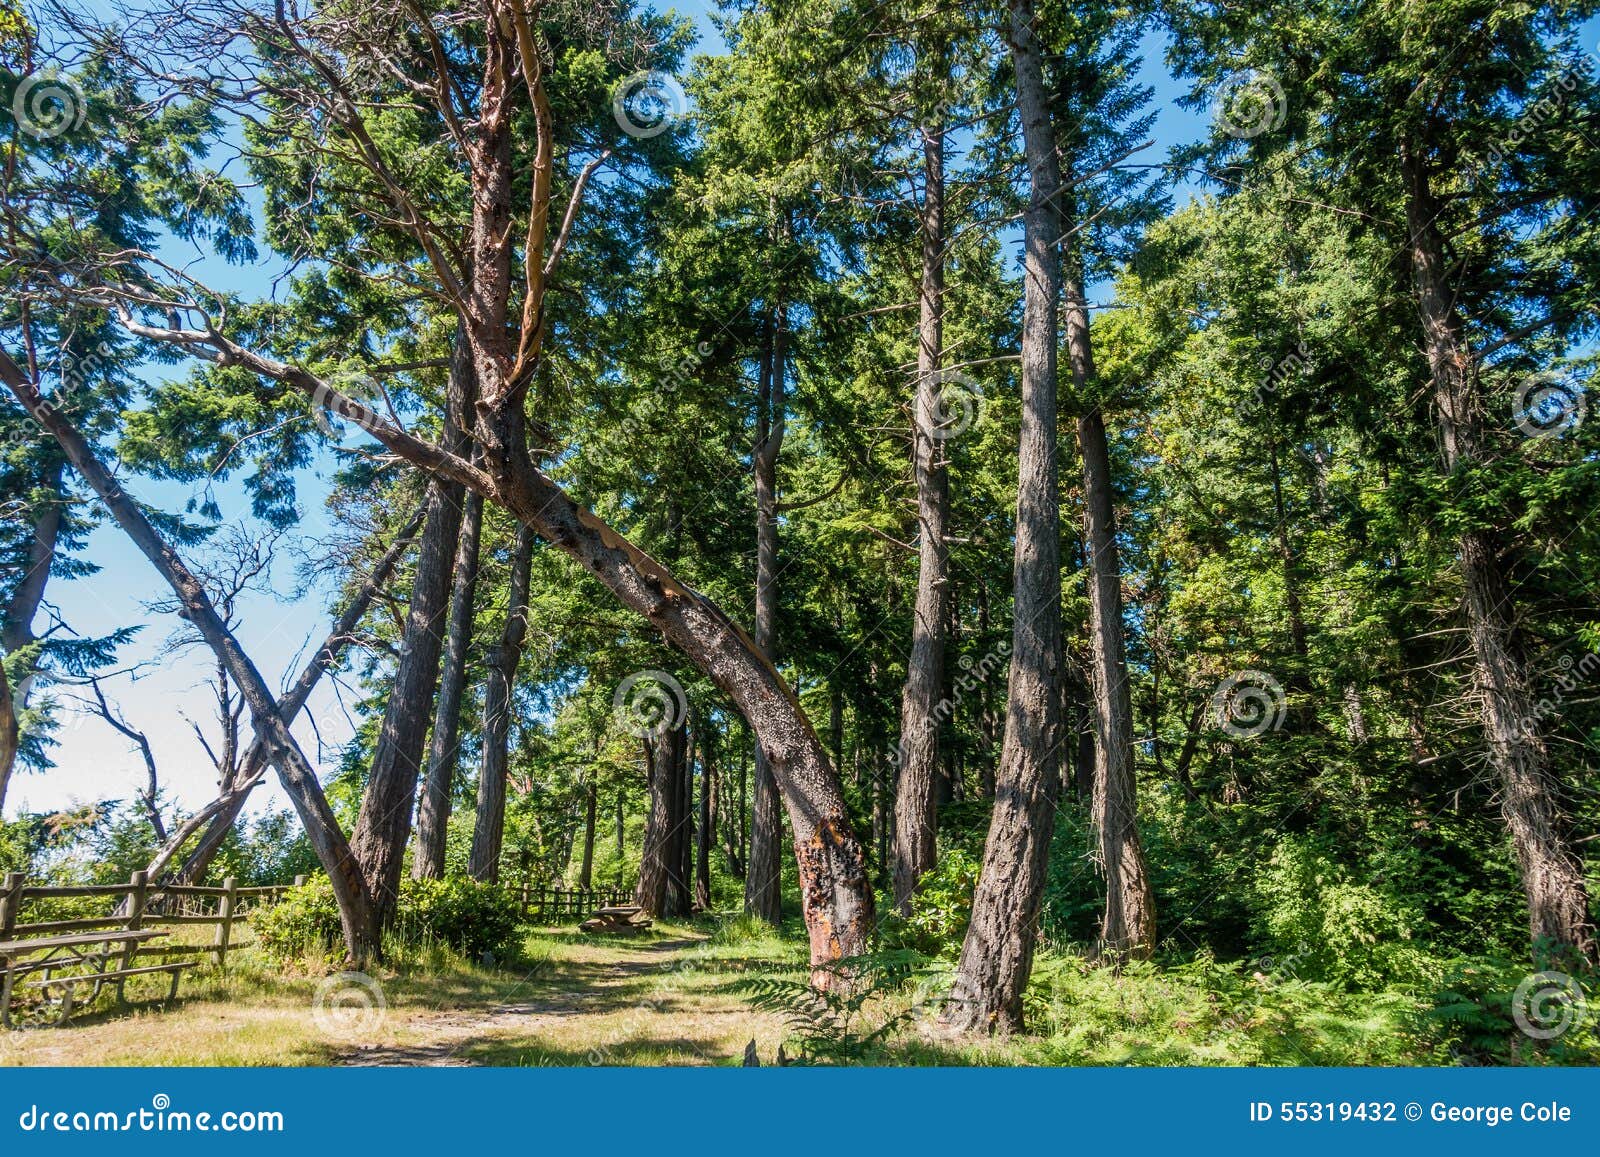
836	896
488	831
591	806
662	891
763	882
1530	793
997	955
916	809
433	814
1128	927
356	910
706	830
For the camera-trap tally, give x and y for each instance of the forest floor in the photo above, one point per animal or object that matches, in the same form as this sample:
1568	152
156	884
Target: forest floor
666	997
699	994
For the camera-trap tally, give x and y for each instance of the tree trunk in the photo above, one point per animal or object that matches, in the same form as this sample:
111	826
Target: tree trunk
357	912
662	890
433	815
383	827
221	814
489	830
706	830
591	806
997	955
916	809
16	621
1128	929
1552	875
763	884
8	736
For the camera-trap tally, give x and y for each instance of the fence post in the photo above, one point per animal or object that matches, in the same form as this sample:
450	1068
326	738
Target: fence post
140	883
300	881
10	902
230	888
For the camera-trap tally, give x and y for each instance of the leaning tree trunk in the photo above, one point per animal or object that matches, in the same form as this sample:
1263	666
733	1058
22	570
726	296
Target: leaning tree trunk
222	813
433	814
8	735
356	910
763	882
1128	928
997	955
916	818
488	832
1552	875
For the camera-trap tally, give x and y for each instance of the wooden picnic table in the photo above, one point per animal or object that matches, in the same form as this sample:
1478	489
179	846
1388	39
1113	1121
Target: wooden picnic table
73	951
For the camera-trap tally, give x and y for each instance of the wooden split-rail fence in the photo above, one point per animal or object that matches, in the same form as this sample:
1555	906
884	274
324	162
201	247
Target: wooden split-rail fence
551	904
107	932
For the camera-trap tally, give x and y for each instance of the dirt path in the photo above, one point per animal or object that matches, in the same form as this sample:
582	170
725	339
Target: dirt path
604	1004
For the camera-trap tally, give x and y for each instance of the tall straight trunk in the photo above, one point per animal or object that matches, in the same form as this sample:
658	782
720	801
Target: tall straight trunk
997	954
763	882
1128	928
222	813
591	806
662	890
357	913
684	842
488	832
706	830
1552	874
916	804
383	826
433	815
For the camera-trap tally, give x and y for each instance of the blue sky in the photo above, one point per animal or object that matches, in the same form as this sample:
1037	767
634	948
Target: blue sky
95	762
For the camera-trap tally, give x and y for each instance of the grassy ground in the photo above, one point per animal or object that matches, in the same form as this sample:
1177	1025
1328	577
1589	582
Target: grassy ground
665	997
697	995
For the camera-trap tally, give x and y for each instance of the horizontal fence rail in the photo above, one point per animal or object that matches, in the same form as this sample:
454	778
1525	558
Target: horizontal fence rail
80	914
551	904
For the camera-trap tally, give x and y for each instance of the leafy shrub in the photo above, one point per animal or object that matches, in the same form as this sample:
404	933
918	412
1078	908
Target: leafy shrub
468	916
305	922
942	907
471	917
1322	926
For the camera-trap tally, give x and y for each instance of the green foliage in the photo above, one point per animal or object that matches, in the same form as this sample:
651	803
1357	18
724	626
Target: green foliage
472	918
1320	925
836	1027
